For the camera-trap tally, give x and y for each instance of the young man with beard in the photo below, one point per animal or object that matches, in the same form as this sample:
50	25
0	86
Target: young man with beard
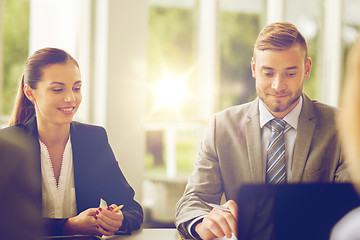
235	149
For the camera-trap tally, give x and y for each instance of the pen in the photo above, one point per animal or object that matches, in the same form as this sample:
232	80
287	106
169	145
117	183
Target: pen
118	208
218	207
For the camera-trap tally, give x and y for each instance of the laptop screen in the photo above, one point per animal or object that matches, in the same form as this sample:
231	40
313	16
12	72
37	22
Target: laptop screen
292	211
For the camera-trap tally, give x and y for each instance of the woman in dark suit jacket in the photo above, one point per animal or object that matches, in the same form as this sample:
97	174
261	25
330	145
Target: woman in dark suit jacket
48	97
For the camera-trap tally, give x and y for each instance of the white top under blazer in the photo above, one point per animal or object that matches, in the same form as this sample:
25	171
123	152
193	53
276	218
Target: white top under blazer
58	199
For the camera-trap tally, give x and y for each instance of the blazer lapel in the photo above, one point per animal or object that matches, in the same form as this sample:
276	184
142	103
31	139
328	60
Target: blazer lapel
76	145
31	130
305	132
253	136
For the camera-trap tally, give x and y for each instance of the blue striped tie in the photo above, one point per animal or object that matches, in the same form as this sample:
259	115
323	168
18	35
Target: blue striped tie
275	165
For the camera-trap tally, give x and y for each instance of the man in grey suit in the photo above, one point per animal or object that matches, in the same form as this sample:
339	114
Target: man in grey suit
235	148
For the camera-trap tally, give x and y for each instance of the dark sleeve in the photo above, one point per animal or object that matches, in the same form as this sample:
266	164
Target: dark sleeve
120	192
53	226
97	175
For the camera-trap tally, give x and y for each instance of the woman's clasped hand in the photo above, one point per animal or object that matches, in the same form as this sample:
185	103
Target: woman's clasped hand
96	221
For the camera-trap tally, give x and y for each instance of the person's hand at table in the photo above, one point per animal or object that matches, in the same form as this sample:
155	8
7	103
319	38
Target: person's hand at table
84	223
109	220
219	223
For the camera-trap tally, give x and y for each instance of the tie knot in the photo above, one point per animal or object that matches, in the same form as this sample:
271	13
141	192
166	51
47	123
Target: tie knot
277	125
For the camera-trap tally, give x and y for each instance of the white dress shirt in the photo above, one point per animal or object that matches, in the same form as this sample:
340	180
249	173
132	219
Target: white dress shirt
291	120
58	200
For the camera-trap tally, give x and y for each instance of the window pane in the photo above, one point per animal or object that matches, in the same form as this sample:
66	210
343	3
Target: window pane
351	27
187	146
15	32
172	144
172	45
307	16
239	28
155	163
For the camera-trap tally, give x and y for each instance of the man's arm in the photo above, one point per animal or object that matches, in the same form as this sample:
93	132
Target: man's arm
204	185
342	171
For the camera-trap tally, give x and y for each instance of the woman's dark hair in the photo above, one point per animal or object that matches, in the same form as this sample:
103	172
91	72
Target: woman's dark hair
33	72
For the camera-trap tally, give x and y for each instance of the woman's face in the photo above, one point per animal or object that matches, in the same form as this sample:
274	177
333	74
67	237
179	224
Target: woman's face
58	94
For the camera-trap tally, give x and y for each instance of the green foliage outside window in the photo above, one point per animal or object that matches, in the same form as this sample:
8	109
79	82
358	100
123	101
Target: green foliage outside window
172	48
238	32
311	84
15	32
172	44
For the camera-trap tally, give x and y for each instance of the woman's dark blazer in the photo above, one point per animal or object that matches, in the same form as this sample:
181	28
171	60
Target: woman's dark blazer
96	174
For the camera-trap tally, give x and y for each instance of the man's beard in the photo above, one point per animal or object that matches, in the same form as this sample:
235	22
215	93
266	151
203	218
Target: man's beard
278	106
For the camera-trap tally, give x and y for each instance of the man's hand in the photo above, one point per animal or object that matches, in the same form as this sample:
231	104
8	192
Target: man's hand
219	223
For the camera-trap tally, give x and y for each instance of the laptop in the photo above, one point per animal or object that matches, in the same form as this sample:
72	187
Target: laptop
293	211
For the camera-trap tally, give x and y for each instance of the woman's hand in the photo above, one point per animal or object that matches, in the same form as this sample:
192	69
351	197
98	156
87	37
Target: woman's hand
109	221
84	223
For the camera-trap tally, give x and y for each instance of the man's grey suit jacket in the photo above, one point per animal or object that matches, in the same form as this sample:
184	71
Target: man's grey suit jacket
231	155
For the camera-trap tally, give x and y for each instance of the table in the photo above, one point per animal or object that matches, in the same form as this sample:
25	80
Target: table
150	234
155	234
141	234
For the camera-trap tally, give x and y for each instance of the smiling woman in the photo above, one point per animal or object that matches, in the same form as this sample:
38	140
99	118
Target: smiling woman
69	153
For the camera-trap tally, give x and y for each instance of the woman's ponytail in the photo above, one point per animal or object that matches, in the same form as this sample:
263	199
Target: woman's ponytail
23	107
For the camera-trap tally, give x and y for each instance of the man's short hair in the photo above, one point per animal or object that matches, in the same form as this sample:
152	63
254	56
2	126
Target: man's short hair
280	36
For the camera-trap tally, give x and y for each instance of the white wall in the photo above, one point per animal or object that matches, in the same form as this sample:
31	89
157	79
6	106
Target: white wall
126	75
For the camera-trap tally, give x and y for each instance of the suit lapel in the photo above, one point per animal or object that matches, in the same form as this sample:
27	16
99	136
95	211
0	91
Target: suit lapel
253	136
306	127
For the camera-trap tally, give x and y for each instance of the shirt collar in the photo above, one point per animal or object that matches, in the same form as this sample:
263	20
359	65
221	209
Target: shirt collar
291	118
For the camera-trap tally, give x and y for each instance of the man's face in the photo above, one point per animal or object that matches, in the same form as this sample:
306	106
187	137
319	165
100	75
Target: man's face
279	77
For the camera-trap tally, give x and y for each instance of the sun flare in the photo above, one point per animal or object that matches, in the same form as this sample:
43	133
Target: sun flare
171	92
